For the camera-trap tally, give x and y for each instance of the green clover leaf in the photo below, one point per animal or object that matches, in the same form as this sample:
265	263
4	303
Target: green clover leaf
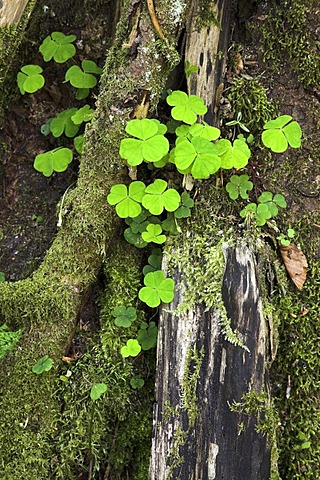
58	46
204	131
44	364
157	289
153	234
157	198
279	133
134	238
56	160
136	382
2	277
124	316
184	210
149	145
127	201
234	155
82	77
8	339
132	349
97	390
186	108
154	261
198	157
239	185
170	224
30	79
147	335
272	202
78	143
260	213
84	114
63	123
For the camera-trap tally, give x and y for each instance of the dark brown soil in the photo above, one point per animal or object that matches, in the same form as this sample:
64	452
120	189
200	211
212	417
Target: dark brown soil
28	200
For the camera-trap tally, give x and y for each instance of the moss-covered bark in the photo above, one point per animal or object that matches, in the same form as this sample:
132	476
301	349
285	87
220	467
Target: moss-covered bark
46	306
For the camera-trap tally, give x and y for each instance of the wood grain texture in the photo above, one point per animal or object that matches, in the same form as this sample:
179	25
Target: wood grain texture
11	11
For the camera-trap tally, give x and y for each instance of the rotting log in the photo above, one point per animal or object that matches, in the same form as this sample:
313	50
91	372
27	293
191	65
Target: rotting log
11	11
200	374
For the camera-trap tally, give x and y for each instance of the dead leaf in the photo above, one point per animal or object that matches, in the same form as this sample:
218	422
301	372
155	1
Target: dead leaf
295	263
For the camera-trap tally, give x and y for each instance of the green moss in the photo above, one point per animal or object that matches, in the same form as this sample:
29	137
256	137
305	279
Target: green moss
190	382
289	38
250	98
297	381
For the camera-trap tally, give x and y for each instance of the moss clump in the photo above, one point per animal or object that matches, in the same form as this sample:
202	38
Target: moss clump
289	38
250	98
297	381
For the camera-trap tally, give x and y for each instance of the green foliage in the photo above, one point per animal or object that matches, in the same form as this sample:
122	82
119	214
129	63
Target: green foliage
186	203
238	122
131	349
153	234
137	226
279	133
56	160
156	198
2	277
58	46
127	201
78	143
136	382
97	390
147	335
267	208
124	316
84	114
44	364
154	261
63	123
30	79
186	107
83	77
157	289
239	185
190	69
149	143
198	157
233	155
8	339
285	240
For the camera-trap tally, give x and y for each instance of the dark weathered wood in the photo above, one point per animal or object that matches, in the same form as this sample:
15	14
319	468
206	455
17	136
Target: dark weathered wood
215	443
196	435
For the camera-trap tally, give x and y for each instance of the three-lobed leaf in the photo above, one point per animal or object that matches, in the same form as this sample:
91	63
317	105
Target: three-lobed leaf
153	234
239	185
97	390
148	145
56	160
186	107
234	155
44	364
30	79
83	77
127	201
198	157
280	132
58	46
83	114
131	349
147	335
157	198
124	316
63	123
157	289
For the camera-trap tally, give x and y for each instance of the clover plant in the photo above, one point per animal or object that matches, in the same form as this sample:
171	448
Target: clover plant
154	261
44	364
78	143
147	335
186	203
56	160
153	234
186	107
127	200
285	240
157	289
198	157
58	46
63	123
97	390
131	349
189	69
158	198
233	155
83	77
266	209
84	114
239	185
136	382
149	144
137	226
8	339
280	132
124	316
30	79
